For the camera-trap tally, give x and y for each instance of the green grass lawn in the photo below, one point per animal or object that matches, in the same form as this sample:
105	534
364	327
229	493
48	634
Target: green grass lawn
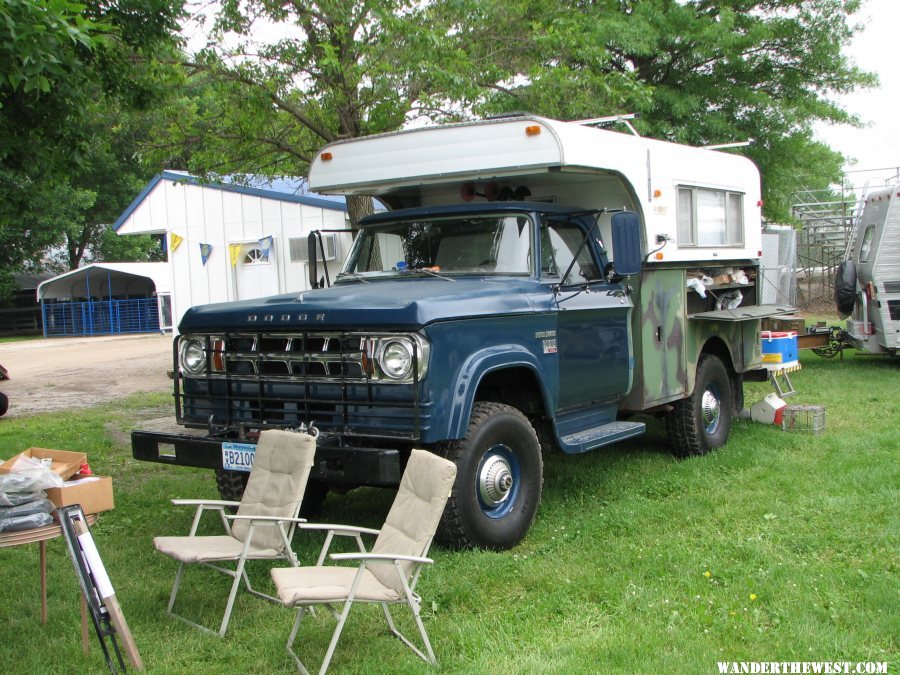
777	547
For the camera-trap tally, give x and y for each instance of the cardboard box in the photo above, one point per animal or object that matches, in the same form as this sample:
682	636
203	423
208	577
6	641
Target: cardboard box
94	493
65	463
722	279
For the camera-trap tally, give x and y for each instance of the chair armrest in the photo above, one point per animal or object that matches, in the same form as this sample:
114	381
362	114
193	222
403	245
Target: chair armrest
271	519
343	530
379	557
213	503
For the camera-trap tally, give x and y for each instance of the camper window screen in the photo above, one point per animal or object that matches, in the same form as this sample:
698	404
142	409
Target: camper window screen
710	217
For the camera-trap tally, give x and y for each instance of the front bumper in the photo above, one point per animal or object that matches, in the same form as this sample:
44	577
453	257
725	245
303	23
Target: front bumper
334	464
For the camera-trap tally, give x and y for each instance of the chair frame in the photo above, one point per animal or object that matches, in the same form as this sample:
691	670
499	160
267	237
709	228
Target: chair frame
239	572
408	597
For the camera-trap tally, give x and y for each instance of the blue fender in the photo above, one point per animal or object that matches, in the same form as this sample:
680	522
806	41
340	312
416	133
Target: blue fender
473	370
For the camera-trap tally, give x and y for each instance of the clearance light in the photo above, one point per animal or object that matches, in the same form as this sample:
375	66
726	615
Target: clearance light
657	194
659	256
760	202
218	355
532	130
759	254
326	156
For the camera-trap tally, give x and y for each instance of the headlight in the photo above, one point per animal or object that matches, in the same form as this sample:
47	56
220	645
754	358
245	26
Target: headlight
193	356
396	359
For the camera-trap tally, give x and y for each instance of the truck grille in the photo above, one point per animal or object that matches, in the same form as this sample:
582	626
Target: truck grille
278	380
325	356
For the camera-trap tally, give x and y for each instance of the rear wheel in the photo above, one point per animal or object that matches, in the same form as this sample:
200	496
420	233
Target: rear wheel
4	404
498	480
702	421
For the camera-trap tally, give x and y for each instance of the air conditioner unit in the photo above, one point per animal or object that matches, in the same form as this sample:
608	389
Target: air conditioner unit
298	248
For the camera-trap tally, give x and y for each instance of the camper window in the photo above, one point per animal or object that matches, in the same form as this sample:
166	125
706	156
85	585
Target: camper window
710	217
866	247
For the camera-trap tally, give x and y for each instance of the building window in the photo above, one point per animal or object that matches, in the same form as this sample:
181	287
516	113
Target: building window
256	256
710	217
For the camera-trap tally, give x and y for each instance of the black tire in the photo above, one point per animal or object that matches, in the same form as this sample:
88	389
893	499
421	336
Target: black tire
498	484
845	288
231	486
702	421
4	404
313	498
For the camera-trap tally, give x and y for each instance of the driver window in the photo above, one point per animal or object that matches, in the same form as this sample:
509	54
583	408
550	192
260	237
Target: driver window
559	242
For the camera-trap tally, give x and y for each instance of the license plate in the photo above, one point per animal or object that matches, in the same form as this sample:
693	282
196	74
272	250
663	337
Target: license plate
238	456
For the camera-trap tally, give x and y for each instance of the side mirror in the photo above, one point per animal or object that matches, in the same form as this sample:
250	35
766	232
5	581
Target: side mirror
312	260
626	242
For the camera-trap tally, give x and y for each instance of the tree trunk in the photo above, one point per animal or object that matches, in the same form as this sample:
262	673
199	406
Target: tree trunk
358	207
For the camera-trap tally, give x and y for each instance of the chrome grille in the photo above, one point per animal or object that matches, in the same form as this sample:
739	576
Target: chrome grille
308	355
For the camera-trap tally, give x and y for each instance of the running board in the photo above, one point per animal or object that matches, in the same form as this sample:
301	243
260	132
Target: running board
586	440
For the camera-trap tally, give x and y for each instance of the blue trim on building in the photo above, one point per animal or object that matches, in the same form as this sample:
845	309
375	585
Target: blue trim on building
283	191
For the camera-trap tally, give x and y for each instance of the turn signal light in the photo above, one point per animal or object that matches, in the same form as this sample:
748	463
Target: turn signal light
326	156
659	256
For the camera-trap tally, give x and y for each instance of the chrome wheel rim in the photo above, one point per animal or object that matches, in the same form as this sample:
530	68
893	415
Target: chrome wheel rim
497	479
710	409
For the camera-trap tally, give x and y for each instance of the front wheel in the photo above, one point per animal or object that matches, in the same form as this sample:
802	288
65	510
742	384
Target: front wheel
499	476
702	421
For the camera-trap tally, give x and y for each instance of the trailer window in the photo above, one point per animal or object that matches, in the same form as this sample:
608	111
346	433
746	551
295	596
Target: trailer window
865	248
710	217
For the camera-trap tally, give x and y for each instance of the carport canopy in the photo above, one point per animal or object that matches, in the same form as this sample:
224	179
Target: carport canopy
105	280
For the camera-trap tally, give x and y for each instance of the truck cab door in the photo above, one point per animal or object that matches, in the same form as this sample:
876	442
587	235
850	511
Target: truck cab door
593	317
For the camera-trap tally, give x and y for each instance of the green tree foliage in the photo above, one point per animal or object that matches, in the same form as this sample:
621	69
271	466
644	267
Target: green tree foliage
701	72
697	71
76	78
279	80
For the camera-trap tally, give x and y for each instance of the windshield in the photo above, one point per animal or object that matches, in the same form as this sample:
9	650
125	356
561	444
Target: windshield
495	244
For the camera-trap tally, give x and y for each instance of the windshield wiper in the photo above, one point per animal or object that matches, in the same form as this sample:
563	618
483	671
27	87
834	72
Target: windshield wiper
351	275
430	272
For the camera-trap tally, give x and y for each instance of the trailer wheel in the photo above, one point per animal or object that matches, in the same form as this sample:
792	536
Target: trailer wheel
498	480
231	486
702	421
4	404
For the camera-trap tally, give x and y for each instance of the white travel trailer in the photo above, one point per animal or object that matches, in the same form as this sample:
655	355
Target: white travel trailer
867	288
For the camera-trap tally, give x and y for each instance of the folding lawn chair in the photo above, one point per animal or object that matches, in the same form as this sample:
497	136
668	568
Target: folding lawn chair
270	502
386	575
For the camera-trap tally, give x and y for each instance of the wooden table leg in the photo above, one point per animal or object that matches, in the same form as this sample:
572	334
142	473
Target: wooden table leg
43	545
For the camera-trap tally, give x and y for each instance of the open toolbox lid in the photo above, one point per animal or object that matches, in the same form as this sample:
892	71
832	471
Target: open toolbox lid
743	313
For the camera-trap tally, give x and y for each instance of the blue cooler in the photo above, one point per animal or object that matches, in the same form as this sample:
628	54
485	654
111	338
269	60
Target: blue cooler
779	349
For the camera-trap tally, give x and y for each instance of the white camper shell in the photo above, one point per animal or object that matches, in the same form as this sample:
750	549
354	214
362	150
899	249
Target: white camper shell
704	204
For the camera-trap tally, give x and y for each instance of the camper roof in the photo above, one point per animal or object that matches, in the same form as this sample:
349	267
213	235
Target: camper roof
518	146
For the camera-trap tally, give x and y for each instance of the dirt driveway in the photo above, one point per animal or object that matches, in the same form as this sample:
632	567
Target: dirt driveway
63	373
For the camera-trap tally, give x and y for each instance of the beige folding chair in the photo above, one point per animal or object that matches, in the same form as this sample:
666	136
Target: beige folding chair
386	575
270	502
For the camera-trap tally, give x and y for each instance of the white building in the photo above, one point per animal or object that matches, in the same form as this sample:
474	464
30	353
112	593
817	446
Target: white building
228	241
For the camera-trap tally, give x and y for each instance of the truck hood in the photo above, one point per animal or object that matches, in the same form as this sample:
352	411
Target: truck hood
389	304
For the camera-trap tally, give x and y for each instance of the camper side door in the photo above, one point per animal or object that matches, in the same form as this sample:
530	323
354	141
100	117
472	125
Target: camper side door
592	317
